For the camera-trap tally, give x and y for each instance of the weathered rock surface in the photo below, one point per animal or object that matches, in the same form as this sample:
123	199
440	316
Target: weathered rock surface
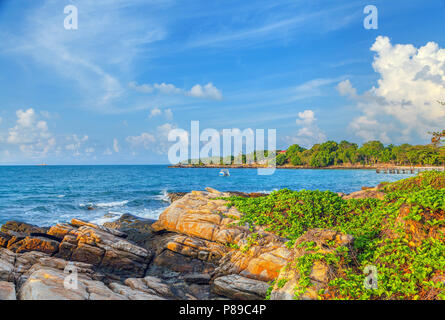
366	193
240	288
7	291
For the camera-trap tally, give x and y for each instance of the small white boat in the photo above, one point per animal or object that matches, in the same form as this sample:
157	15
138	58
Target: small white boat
224	173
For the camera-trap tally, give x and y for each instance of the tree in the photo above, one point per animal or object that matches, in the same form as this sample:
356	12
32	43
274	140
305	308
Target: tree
281	159
371	151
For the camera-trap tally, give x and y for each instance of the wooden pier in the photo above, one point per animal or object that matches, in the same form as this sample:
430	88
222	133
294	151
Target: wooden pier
407	170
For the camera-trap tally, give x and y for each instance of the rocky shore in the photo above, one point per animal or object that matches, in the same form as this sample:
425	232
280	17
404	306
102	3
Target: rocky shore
196	250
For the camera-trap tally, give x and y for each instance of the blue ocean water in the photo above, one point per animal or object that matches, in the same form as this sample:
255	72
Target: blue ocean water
45	195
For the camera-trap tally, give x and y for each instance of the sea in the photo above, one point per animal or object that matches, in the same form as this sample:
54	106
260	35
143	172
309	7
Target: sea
46	195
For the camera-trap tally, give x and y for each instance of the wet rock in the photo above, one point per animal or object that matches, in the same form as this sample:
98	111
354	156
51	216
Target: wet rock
241	288
7	291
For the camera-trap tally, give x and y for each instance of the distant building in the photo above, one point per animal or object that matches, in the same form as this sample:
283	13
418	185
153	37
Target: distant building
282	151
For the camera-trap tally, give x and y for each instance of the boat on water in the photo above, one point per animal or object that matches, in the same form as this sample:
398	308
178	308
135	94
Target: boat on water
224	173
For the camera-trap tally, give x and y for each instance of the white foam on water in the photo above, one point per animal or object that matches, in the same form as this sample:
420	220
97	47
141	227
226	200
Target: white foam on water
163	196
105	204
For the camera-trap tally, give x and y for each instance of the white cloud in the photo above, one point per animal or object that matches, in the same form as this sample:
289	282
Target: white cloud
308	133
155	112
144	139
30	134
403	105
306	117
208	91
168	114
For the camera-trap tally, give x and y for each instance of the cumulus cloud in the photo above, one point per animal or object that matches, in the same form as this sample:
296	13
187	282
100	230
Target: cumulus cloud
168	114
144	139
155	112
208	91
157	141
403	104
308	133
30	134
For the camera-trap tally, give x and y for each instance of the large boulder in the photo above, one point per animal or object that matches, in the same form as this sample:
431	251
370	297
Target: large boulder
7	291
138	229
240	288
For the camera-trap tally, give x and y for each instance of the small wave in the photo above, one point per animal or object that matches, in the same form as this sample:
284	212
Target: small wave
105	204
61	196
163	196
110	216
112	204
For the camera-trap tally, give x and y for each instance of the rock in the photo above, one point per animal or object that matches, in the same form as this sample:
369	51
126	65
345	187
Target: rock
261	262
124	264
367	193
151	285
173	196
198	215
287	285
197	278
132	294
237	287
7	260
61	230
168	261
138	229
80	223
4	239
32	243
22	227
214	191
7	291
48	284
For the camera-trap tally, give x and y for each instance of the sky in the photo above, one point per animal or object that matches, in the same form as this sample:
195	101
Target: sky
110	91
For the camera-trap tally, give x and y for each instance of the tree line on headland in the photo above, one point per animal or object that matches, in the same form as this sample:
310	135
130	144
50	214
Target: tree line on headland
346	153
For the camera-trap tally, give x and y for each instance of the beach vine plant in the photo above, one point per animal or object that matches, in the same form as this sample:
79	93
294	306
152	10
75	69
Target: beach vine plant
409	266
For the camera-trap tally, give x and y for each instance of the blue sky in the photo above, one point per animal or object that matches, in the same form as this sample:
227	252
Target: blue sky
109	92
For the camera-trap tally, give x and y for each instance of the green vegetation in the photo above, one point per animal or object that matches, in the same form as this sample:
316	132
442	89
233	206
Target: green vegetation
346	153
402	235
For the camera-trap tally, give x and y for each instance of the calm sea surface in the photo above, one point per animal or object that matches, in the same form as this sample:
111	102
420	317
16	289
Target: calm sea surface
50	194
